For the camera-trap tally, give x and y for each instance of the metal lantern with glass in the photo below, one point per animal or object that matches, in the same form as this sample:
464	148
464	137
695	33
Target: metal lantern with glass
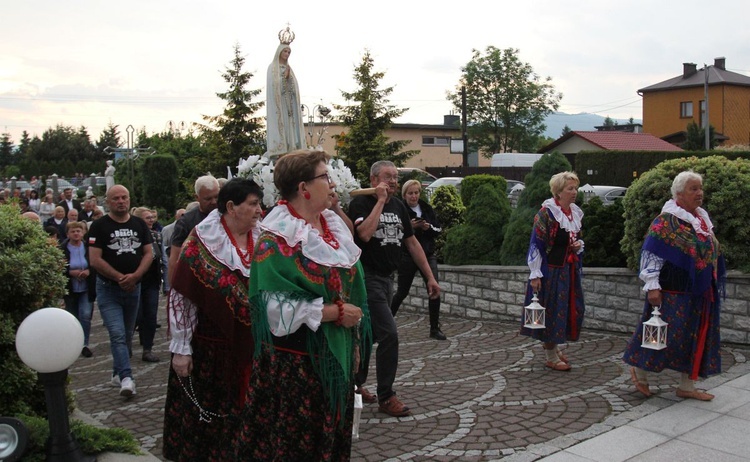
655	331
534	314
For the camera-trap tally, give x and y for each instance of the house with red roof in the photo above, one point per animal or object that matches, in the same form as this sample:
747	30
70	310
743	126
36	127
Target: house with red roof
576	141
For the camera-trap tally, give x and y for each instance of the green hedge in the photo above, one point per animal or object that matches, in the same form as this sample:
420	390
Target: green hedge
726	189
621	168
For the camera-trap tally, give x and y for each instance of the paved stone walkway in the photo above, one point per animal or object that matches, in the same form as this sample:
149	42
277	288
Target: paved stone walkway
484	394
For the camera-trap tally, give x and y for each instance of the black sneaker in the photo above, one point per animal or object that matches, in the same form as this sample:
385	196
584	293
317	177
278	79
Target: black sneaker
86	352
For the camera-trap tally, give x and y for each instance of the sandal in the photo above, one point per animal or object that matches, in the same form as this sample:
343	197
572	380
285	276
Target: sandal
700	395
558	366
561	356
640	386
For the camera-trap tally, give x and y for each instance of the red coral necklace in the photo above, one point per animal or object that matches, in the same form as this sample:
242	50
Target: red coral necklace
246	257
327	235
568	213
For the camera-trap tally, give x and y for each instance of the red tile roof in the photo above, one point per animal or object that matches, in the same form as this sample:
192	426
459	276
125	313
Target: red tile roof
617	141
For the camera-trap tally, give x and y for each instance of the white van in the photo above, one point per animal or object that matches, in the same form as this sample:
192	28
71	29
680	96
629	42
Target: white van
514	159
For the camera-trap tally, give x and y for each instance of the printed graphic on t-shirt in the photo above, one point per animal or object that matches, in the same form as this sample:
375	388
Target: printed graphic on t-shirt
390	230
124	241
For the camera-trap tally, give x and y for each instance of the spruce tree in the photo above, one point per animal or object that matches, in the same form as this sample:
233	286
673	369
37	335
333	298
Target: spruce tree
368	118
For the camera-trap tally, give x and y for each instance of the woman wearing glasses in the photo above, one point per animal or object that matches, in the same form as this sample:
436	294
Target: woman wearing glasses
309	321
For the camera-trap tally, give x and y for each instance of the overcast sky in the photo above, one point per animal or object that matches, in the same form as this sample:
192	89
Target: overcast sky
146	63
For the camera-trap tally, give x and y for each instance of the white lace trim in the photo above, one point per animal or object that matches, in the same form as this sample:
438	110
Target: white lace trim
673	208
295	230
573	225
215	239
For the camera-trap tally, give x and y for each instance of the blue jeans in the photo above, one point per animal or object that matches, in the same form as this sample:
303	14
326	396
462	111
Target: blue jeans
149	308
77	304
118	309
385	334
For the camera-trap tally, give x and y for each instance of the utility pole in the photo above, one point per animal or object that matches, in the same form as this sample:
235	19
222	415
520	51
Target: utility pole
464	135
705	117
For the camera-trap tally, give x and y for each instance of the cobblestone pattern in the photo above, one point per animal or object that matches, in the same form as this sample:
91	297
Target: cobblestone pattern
484	394
613	296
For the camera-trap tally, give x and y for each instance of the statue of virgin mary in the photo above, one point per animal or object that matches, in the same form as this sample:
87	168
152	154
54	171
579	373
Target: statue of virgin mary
285	129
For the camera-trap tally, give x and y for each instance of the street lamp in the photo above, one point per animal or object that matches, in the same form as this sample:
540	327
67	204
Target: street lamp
323	113
49	341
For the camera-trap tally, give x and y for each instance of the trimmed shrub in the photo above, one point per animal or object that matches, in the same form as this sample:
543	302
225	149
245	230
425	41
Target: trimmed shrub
160	182
478	240
726	187
472	183
449	210
31	277
603	228
518	232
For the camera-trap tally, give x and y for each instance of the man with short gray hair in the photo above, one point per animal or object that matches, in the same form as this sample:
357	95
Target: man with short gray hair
206	193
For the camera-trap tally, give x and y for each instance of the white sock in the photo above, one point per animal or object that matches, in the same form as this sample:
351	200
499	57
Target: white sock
552	356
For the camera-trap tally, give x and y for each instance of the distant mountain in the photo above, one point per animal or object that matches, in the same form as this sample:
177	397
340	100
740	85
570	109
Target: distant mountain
556	121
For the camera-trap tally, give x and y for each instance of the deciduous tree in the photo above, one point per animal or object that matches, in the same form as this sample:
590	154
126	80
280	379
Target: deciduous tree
506	101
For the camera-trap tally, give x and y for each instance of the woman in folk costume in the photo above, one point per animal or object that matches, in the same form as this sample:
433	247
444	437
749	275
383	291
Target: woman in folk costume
554	259
209	322
683	274
310	322
285	129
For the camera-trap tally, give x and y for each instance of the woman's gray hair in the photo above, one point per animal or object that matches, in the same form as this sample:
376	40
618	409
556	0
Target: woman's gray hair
206	181
408	185
559	180
678	185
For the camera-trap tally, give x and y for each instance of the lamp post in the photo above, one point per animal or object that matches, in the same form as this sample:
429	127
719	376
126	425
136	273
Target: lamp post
49	341
323	113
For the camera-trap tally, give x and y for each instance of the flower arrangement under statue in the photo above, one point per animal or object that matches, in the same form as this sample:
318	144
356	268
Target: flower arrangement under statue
260	170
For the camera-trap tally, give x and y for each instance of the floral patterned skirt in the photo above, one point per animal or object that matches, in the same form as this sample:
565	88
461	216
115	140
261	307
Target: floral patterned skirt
187	437
287	416
683	314
555	298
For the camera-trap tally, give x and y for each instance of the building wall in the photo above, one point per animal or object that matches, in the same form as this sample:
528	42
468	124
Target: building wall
429	156
575	145
613	296
728	109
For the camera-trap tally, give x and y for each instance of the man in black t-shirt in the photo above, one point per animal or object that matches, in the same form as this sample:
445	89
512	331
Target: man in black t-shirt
120	251
381	227
207	194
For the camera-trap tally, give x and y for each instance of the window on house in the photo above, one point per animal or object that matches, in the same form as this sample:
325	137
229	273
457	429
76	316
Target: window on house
436	141
686	109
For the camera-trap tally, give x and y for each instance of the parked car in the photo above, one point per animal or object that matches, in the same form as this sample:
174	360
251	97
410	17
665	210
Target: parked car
444	181
408	173
608	194
511	184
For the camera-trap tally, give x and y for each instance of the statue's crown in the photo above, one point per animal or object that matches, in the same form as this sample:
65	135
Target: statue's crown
286	36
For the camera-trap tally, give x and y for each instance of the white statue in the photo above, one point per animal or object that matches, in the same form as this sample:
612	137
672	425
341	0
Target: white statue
109	175
285	129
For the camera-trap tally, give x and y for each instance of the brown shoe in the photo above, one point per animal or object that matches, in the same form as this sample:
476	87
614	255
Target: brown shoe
150	357
394	407
367	397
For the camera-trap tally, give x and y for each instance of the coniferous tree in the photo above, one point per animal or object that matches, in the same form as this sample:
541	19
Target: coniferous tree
235	133
368	119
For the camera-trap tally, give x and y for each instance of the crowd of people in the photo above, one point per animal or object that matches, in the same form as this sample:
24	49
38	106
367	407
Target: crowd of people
273	313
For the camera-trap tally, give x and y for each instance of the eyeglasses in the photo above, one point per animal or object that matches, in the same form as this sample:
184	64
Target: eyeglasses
389	177
326	175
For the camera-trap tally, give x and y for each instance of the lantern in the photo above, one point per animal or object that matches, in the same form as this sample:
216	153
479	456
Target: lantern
534	315
655	331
